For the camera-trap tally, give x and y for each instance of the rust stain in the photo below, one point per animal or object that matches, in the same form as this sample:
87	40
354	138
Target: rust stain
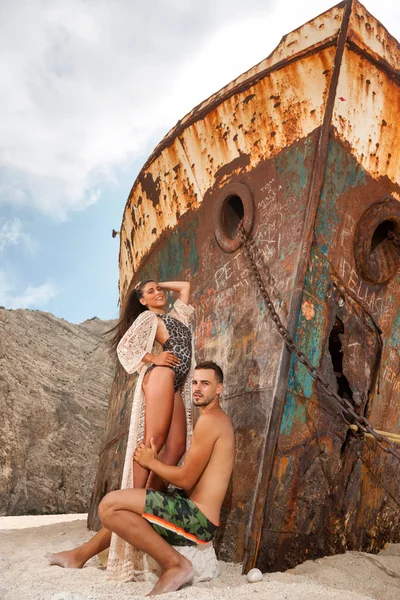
150	188
248	98
375	112
370	36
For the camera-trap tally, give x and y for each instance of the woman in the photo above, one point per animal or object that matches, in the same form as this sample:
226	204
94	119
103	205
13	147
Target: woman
159	347
162	414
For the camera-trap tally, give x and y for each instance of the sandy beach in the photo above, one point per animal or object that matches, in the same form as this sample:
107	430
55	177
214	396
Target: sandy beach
26	575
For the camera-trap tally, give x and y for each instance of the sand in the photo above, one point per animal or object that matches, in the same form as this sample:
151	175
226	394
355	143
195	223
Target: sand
26	575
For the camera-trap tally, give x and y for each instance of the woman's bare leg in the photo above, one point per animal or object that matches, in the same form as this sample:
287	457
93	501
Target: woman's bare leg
158	388
160	406
76	558
175	444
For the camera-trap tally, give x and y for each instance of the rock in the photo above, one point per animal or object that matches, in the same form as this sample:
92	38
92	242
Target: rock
254	575
203	559
55	379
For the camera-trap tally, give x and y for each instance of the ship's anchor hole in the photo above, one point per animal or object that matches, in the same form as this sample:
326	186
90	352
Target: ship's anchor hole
380	234
376	242
233	214
234	204
336	352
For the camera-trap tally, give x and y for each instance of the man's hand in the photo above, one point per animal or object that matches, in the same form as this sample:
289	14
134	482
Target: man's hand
145	454
165	359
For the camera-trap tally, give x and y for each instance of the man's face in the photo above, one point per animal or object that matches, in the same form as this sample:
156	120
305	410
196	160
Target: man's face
205	387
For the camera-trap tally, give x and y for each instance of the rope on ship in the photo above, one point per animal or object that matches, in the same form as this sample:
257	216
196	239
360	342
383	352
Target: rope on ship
394	437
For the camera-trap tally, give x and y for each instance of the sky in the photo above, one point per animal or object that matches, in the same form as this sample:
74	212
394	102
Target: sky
88	89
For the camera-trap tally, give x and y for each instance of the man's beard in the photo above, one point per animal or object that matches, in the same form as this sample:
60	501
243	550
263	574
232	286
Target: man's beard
198	401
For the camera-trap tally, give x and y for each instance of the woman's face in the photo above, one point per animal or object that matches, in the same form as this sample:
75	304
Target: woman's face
153	296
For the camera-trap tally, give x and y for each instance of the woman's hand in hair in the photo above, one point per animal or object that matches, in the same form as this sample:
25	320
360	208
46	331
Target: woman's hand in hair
165	359
182	287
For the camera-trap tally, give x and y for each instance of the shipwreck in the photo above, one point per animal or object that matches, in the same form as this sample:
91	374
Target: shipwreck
303	148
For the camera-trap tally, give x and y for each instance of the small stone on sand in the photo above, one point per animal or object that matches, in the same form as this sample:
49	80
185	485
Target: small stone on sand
254	575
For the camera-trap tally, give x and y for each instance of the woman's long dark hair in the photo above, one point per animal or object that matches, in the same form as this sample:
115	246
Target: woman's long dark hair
130	310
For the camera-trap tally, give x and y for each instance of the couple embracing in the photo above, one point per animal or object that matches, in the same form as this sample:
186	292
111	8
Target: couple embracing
143	515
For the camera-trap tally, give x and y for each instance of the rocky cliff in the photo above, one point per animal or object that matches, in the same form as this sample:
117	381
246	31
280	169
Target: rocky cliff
55	378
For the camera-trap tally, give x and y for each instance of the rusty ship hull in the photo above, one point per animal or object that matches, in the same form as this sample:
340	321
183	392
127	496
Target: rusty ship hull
302	147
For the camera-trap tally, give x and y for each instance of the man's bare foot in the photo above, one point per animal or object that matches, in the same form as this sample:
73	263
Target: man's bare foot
68	559
173	579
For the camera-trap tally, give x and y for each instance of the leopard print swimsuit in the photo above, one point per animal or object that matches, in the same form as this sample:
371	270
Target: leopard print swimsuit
180	343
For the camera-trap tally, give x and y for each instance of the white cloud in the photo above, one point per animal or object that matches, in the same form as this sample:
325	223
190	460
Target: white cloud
85	85
31	297
10	233
13	234
82	86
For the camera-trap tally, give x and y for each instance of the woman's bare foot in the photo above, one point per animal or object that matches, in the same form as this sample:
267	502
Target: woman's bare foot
173	579
69	559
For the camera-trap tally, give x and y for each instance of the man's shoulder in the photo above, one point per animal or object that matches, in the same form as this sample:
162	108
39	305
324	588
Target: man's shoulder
217	421
205	419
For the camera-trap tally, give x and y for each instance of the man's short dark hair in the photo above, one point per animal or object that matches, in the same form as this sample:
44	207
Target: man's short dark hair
209	364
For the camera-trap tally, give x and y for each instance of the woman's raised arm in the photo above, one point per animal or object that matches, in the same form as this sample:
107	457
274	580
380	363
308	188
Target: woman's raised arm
182	287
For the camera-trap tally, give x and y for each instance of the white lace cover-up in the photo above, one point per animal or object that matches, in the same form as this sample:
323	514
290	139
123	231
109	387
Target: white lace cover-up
126	563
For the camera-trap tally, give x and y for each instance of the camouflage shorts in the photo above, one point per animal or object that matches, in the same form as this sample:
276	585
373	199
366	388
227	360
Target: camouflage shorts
177	519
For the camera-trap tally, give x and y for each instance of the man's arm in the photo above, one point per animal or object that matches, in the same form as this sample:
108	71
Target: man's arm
205	435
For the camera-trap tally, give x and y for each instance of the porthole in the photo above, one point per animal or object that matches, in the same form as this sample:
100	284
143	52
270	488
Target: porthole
376	254
234	204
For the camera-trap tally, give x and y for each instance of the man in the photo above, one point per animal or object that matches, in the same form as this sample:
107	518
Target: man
153	521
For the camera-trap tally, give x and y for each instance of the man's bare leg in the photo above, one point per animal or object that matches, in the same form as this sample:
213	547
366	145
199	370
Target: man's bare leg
121	513
76	558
